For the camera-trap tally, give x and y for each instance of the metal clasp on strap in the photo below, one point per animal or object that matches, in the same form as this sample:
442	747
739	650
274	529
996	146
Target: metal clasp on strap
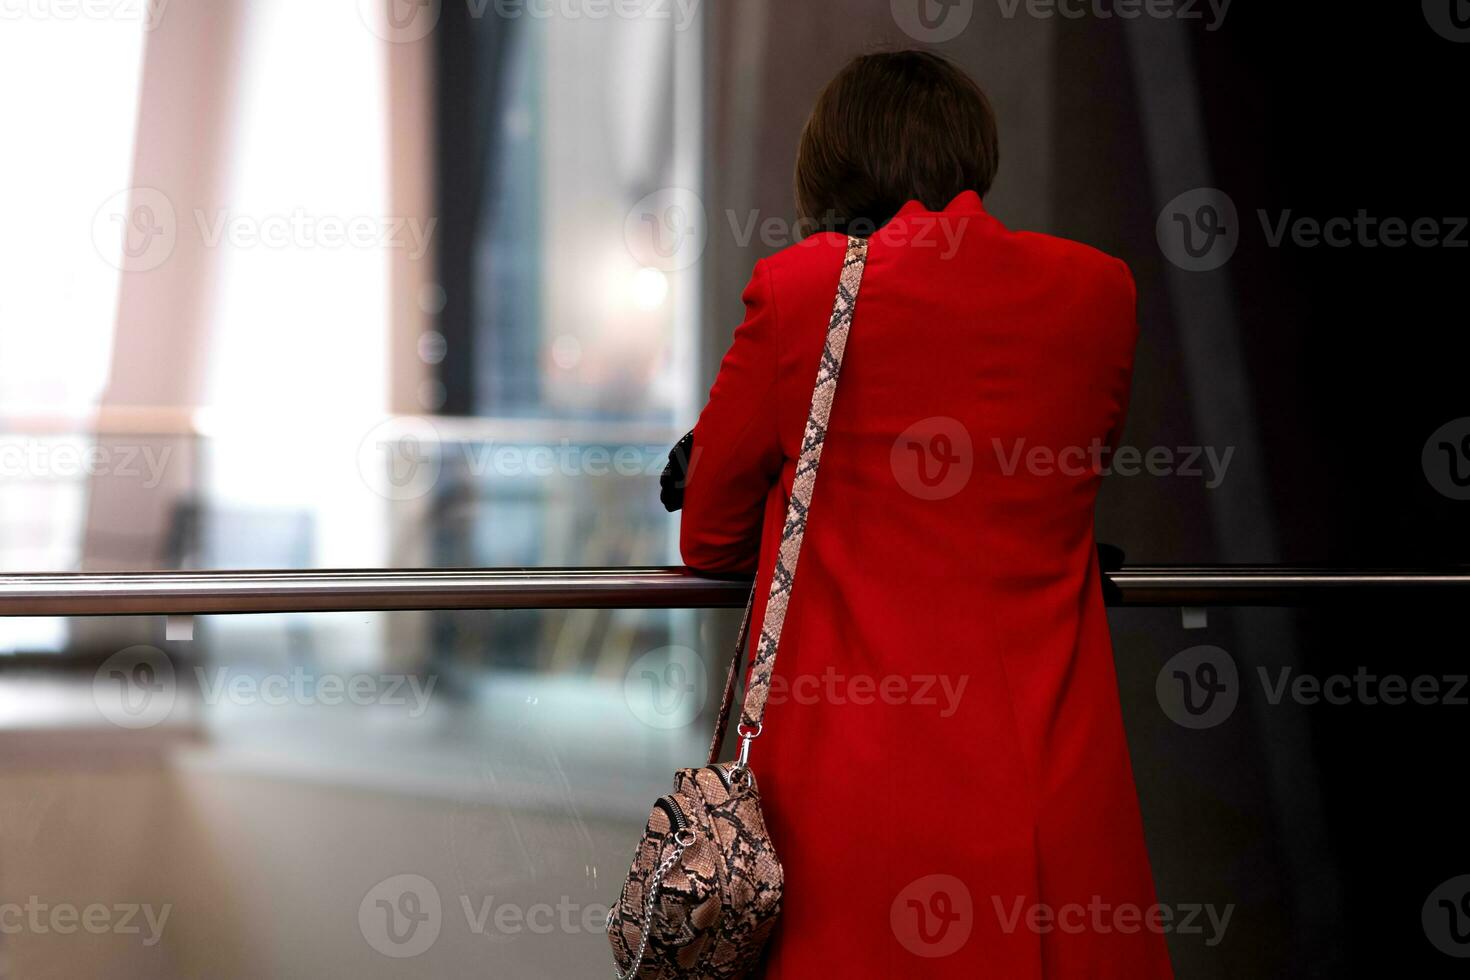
745	739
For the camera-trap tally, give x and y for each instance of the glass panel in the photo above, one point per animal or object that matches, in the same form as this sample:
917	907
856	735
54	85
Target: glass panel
447	794
303	319
288	795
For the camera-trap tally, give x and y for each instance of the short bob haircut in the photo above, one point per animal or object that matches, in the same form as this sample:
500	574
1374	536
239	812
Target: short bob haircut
890	128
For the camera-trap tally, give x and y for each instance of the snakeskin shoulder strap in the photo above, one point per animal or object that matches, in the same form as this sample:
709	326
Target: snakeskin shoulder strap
758	688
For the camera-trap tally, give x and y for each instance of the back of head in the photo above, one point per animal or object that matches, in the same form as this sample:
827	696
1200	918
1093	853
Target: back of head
890	128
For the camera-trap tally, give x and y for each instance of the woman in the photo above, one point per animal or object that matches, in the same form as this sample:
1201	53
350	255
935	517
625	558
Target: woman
942	761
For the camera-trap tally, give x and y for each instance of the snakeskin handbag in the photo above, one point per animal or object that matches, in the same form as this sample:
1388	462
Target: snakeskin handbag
706	886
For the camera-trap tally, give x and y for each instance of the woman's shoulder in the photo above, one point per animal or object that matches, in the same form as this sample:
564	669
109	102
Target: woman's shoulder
813	254
1075	257
808	267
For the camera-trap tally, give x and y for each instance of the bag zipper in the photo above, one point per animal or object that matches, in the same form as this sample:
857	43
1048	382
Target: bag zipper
677	820
724	778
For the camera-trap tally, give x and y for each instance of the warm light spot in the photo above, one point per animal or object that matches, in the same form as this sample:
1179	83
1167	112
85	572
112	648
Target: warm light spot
650	287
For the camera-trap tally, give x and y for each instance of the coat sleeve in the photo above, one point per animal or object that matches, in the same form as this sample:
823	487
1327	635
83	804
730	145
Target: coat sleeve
737	455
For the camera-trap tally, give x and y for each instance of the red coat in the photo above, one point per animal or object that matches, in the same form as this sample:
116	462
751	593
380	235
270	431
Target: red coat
943	763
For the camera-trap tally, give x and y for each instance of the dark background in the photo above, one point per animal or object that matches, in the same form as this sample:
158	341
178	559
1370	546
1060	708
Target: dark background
1326	369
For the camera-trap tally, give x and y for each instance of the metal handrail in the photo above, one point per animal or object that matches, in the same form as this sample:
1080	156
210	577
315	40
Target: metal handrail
364	590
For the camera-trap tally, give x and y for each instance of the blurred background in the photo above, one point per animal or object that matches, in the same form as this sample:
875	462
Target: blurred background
436	283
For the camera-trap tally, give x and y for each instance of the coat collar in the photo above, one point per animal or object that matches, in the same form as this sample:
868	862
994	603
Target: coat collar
965	202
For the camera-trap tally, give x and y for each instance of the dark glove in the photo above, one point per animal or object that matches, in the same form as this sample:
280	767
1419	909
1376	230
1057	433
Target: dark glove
676	473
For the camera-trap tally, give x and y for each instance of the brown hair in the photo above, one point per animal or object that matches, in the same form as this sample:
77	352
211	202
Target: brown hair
890	128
